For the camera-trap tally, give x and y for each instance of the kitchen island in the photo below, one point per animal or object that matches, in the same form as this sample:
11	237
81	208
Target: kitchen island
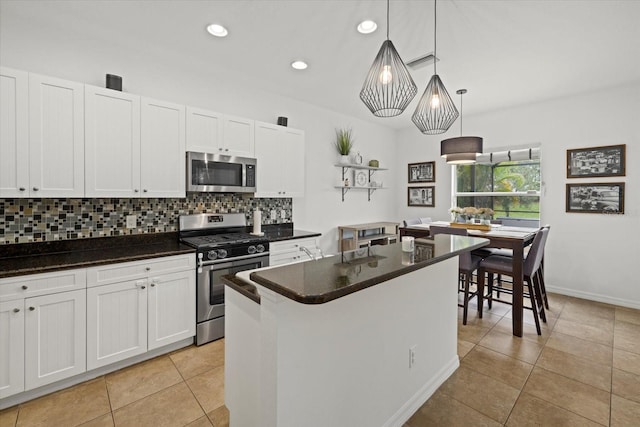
361	338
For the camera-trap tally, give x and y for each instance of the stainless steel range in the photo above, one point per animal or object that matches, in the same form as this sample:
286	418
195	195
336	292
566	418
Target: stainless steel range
223	247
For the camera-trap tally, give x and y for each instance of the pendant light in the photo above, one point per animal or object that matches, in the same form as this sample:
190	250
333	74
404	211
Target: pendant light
463	149
435	112
388	88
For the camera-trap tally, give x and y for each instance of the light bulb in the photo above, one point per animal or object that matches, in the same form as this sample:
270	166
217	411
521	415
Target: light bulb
435	101
385	75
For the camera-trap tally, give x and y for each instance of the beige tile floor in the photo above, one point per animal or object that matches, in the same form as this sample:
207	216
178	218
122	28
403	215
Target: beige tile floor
583	371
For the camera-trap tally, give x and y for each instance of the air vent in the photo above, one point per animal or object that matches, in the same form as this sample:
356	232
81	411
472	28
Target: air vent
421	61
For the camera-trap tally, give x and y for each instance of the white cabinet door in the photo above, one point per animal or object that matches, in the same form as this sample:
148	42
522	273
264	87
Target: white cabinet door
56	137
293	174
238	137
172	308
277	146
204	131
55	337
162	159
116	322
11	347
112	135
270	154
14	133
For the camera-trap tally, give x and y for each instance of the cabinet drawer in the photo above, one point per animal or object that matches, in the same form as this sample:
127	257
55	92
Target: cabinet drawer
13	288
124	271
286	258
292	246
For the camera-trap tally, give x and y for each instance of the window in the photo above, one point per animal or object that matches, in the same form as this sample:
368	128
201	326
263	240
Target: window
511	188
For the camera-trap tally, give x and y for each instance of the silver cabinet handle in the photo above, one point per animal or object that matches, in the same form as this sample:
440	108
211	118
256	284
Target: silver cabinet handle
16	310
25	287
136	190
226	149
220	149
22	189
143	287
144	191
31	308
148	268
36	189
153	285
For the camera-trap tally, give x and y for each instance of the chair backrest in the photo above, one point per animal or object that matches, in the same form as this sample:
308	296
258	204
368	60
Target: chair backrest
465	258
426	220
412	221
534	257
520	222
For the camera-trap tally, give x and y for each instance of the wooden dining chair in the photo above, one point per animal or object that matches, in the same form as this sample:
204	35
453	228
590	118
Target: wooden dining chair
499	264
467	264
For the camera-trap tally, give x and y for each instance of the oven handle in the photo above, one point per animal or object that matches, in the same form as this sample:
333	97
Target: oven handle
226	263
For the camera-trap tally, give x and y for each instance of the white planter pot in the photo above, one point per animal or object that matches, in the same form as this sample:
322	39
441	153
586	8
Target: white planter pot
345	160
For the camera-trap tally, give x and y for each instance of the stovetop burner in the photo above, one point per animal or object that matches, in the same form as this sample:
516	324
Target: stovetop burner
218	240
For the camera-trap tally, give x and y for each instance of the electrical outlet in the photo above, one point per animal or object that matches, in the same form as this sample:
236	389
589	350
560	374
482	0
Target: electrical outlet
131	221
283	214
274	214
412	356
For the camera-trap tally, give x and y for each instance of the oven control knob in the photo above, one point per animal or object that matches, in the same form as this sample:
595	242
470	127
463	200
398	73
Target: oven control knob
212	255
260	248
251	250
222	253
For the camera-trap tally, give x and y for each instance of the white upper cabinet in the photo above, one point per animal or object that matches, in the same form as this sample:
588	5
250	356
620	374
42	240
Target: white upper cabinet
162	153
204	131
14	133
277	146
215	133
56	137
41	136
112	134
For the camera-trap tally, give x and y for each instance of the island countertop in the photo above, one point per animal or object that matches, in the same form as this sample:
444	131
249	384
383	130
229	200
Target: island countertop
329	278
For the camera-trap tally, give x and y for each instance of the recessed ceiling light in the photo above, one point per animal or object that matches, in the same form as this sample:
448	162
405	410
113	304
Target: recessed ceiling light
217	30
367	27
299	65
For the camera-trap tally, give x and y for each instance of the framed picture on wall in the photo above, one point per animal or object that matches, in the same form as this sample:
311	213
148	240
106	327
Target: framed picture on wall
596	161
601	197
422	172
421	196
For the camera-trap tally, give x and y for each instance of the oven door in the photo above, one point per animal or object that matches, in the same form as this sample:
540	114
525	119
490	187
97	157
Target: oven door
210	287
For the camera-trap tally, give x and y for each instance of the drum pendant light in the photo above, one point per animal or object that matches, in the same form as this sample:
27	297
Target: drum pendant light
435	112
462	150
388	88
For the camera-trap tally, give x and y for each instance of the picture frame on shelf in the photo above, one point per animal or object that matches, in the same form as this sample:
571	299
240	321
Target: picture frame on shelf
423	250
421	196
596	161
596	197
421	172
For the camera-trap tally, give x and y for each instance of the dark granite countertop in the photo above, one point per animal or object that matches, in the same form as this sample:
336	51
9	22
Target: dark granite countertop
44	257
281	232
336	276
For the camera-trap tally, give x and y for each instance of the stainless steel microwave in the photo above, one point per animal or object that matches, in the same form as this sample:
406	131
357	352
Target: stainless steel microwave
217	173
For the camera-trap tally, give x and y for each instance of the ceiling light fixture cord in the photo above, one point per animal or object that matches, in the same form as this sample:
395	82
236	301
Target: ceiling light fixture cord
387	19
435	36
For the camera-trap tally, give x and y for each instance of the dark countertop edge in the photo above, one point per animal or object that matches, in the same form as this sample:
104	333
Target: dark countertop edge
93	263
338	293
244	288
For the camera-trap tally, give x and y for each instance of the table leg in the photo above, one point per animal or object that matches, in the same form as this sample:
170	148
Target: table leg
518	260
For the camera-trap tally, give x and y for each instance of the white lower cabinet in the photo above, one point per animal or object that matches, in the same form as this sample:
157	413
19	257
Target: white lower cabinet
289	251
11	347
116	322
55	337
139	306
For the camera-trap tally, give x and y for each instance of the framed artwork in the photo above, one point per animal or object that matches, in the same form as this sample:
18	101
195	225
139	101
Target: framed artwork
605	197
421	196
596	161
422	172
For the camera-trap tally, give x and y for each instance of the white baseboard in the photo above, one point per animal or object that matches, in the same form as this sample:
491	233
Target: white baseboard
89	375
594	297
417	400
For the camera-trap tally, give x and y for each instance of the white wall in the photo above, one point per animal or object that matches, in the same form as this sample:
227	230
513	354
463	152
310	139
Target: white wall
591	256
321	209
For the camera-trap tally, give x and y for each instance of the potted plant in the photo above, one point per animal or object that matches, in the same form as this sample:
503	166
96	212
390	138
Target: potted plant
344	144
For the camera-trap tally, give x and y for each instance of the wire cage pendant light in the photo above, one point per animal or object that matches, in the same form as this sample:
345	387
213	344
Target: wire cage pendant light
388	88
462	150
436	111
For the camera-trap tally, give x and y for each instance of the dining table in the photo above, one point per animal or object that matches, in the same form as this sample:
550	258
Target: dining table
506	237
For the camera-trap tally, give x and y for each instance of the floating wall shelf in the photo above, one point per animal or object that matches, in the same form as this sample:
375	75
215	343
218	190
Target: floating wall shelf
371	170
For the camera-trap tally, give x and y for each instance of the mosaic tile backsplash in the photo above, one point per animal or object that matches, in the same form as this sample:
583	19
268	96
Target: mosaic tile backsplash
40	220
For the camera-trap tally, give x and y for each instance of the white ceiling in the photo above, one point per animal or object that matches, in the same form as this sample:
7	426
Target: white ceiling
506	53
